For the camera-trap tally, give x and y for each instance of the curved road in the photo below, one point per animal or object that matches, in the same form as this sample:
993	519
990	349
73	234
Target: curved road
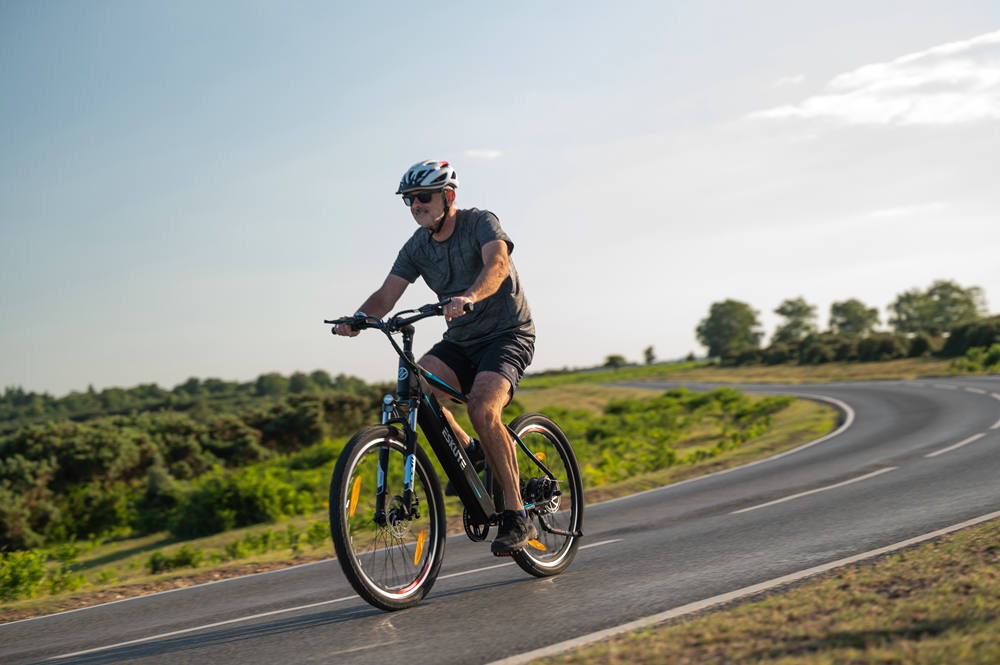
916	456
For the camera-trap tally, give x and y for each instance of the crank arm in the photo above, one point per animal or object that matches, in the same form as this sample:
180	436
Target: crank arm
558	532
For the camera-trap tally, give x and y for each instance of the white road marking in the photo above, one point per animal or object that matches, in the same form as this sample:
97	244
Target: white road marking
978	391
963	442
290	609
160	593
208	625
995	425
994	396
603	542
721	599
820	489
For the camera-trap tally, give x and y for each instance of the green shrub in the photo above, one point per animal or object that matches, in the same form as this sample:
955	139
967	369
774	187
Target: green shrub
780	353
920	345
315	456
978	359
882	346
185	557
222	501
317	534
21	574
984	333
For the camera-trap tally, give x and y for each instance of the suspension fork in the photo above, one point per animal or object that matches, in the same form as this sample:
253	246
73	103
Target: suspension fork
408	391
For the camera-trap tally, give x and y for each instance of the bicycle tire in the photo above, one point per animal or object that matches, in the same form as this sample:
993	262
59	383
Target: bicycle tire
550	553
392	564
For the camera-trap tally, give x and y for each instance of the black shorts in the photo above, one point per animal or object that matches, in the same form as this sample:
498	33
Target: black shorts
509	355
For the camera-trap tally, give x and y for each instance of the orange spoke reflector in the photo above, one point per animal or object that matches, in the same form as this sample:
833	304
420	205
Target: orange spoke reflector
540	456
537	545
420	547
355	491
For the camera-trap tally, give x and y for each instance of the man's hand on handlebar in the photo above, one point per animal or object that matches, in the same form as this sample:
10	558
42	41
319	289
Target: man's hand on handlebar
349	326
456	307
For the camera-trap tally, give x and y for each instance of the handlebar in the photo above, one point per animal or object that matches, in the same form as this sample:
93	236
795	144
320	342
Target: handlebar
397	321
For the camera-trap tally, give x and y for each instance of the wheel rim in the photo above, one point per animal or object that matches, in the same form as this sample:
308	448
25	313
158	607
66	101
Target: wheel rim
549	549
394	558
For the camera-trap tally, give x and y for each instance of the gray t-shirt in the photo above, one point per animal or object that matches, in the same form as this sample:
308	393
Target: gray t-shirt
452	266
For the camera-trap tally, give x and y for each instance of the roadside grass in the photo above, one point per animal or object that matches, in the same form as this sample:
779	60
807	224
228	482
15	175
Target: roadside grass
114	570
627	373
904	368
938	602
799	423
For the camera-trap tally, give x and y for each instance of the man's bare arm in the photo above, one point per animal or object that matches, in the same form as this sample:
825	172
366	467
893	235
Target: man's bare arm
378	303
496	268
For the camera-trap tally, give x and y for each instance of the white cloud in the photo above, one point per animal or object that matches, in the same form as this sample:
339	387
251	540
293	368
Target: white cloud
789	80
948	84
483	154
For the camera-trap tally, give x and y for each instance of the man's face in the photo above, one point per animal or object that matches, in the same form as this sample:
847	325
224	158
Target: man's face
426	214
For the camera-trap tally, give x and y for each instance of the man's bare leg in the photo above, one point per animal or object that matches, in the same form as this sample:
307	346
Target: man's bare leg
489	395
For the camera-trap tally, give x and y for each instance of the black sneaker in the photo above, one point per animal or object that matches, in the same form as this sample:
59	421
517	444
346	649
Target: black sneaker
515	532
478	459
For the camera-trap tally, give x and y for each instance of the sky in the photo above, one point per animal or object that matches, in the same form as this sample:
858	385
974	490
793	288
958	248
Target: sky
187	189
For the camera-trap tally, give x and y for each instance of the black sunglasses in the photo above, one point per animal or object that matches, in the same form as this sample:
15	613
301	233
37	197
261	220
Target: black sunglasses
423	197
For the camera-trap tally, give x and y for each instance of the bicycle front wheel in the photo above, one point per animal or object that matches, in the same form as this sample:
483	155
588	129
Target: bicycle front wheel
390	556
557	510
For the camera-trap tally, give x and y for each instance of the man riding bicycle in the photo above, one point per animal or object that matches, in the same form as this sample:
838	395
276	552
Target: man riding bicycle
465	255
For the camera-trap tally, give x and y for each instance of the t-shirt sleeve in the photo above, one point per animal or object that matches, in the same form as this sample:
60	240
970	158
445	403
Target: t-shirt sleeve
488	229
404	266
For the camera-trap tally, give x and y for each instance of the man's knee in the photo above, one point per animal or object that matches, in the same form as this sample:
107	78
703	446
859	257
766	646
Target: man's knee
489	394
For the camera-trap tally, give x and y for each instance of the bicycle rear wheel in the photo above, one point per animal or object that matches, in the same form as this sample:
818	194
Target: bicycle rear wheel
557	516
392	557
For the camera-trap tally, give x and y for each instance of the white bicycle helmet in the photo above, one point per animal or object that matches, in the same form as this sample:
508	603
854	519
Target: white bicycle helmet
428	174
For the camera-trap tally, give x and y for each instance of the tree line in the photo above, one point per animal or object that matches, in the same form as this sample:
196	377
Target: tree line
153	459
200	398
945	319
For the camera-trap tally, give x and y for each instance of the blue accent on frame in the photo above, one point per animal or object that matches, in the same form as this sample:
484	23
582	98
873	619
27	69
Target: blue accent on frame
443	383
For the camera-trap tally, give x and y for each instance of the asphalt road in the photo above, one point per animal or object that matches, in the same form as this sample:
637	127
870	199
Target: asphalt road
916	456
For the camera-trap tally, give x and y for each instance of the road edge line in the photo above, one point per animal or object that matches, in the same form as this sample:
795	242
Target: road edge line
738	594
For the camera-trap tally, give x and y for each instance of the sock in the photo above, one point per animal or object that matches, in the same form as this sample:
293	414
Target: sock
523	513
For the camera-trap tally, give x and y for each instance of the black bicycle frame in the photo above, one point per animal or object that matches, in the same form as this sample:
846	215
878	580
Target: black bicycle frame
415	396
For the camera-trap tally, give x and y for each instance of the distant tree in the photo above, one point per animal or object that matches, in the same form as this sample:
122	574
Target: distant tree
648	355
218	386
944	305
322	379
615	361
272	384
301	383
730	327
190	387
852	317
800	321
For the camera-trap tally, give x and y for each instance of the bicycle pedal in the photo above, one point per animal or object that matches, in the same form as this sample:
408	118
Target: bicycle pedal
503	554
